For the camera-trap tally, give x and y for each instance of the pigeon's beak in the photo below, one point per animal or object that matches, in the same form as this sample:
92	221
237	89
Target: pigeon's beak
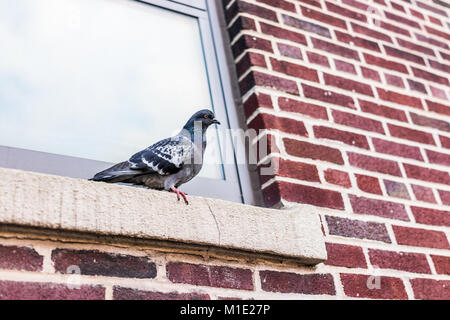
215	121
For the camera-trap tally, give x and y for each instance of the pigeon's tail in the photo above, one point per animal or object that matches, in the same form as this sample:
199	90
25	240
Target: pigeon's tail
117	173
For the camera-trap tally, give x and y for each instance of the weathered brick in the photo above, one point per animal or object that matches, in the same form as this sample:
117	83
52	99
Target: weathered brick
20	258
18	290
324	18
345	66
430	122
357	4
342	255
415	47
241	23
397	149
270	81
437	33
374	164
255	101
420	237
438	157
364	286
394	28
357	229
405	261
394	80
401	19
250	59
287	282
445	197
439	66
313	151
212	276
345	12
430	289
304	108
283	33
347	84
246	42
417	86
431	8
353	120
94	262
267	121
316	58
298	170
370	32
281	4
327	96
370	74
357	41
290	51
445	142
431	41
386	64
438	93
350	138
335	49
441	264
383	111
381	208
121	293
396	189
306	26
431	216
294	70
338	177
399	98
426	174
423	193
430	76
410	134
251	9
368	184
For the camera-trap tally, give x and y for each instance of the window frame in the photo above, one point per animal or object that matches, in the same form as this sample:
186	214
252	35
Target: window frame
237	183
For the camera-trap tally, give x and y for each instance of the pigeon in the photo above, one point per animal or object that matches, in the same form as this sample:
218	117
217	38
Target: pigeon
168	163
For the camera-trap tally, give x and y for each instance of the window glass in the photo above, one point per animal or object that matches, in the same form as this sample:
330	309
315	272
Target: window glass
99	79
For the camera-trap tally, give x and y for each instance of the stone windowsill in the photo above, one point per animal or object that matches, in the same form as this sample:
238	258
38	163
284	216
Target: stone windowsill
48	202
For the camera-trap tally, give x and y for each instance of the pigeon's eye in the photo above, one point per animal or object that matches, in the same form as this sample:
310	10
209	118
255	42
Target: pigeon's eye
206	116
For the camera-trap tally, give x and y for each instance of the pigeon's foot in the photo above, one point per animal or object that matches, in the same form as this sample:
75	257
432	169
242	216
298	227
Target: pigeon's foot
178	192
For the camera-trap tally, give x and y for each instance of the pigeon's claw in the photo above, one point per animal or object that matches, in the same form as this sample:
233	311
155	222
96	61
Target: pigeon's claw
178	192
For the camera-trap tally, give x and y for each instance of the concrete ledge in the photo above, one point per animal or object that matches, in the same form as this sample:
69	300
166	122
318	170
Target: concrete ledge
53	202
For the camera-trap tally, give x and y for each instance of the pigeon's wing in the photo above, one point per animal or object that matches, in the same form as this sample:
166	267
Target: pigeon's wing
164	157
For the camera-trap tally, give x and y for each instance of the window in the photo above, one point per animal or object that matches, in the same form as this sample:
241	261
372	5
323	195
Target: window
87	83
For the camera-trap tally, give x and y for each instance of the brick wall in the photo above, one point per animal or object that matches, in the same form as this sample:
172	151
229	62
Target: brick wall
356	97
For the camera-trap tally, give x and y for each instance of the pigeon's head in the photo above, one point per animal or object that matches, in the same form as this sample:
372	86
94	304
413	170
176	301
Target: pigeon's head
203	118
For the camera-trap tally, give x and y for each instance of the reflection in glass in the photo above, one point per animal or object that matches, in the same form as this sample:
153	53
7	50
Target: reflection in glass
99	79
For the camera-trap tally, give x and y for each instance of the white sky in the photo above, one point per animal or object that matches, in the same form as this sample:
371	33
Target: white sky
98	79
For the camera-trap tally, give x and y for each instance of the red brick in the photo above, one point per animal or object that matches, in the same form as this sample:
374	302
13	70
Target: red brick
266	80
344	66
404	261
306	26
441	264
431	8
439	66
430	289
370	74
357	41
382	111
430	122
304	108
381	208
338	177
430	76
346	137
328	96
18	290
335	49
394	28
445	197
435	21
246	42
212	276
294	70
287	282
241	23
251	9
431	41
318	59
302	194
290	51
399	98
250	59
359	286
280	4
402	20
394	80
347	84
370	32
445	142
368	184
417	86
431	216
438	158
353	120
396	189
255	101
121	293
298	170
398	7
324	18
438	107
374	164
342	255
345	12
281	33
438	93
410	134
415	47
94	262
386	64
438	33
417	14
267	121
357	229
308	150
20	258
423	193
356	4
420	237
445	56
397	149
426	174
